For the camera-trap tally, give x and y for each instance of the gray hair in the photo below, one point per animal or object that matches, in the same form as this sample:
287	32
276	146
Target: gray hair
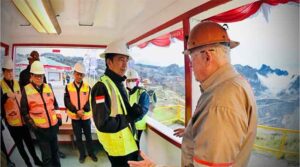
223	53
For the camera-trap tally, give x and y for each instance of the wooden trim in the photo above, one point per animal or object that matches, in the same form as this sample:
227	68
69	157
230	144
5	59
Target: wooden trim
6	47
178	145
186	15
188	74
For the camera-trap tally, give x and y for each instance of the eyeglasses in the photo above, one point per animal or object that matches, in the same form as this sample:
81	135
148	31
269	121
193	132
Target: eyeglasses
131	80
200	51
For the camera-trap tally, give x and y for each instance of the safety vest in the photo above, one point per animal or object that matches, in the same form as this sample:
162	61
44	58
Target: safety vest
134	98
41	108
83	98
122	142
12	105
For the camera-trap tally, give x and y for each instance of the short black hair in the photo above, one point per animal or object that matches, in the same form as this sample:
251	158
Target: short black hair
3	69
109	56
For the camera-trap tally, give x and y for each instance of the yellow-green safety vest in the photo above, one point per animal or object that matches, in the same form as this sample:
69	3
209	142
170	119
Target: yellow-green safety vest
122	142
134	98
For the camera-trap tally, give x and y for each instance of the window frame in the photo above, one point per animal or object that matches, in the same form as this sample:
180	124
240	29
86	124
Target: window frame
184	19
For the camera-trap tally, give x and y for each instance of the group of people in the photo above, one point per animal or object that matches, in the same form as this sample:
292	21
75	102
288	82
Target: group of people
30	104
220	133
27	105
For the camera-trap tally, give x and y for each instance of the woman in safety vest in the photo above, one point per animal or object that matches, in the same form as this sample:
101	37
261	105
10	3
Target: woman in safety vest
38	106
10	112
139	96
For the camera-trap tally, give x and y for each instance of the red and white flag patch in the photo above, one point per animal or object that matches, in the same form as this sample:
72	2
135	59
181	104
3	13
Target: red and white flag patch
100	99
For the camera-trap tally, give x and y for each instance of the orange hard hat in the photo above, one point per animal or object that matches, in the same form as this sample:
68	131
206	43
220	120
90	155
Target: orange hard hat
208	32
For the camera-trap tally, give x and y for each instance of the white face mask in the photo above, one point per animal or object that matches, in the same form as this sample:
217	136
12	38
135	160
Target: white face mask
131	85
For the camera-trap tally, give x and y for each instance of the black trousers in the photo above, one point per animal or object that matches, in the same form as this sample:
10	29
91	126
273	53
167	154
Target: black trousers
84	126
121	161
139	134
47	140
20	134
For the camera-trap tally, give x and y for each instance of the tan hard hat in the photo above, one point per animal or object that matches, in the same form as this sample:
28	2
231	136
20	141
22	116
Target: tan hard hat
8	63
146	81
116	47
208	32
37	68
79	67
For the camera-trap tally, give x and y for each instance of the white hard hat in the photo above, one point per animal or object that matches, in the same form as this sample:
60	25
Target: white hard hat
8	63
37	68
132	74
79	67
116	48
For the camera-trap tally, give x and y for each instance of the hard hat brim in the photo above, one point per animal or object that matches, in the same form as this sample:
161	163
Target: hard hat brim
39	73
232	44
102	55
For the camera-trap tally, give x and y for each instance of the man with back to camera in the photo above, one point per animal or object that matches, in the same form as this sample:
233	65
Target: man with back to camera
223	128
113	116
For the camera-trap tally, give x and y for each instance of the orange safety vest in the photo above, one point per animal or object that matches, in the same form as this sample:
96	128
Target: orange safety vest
11	106
83	98
41	108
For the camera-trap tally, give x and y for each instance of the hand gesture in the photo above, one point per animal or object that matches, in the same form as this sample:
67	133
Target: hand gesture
144	163
179	132
80	113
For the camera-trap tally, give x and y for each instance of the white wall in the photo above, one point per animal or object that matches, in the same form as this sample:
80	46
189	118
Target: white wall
159	149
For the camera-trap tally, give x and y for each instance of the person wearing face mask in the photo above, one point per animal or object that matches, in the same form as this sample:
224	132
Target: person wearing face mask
77	102
39	110
113	115
139	96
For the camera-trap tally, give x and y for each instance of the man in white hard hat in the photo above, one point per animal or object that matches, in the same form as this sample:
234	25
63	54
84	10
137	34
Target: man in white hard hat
25	74
223	127
10	112
113	116
39	109
138	95
77	102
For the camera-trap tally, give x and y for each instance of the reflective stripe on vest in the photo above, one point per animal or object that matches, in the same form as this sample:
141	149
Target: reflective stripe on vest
83	97
11	106
122	142
134	98
37	110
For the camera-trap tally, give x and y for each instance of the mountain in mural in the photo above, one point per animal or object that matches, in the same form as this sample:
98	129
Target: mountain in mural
277	95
